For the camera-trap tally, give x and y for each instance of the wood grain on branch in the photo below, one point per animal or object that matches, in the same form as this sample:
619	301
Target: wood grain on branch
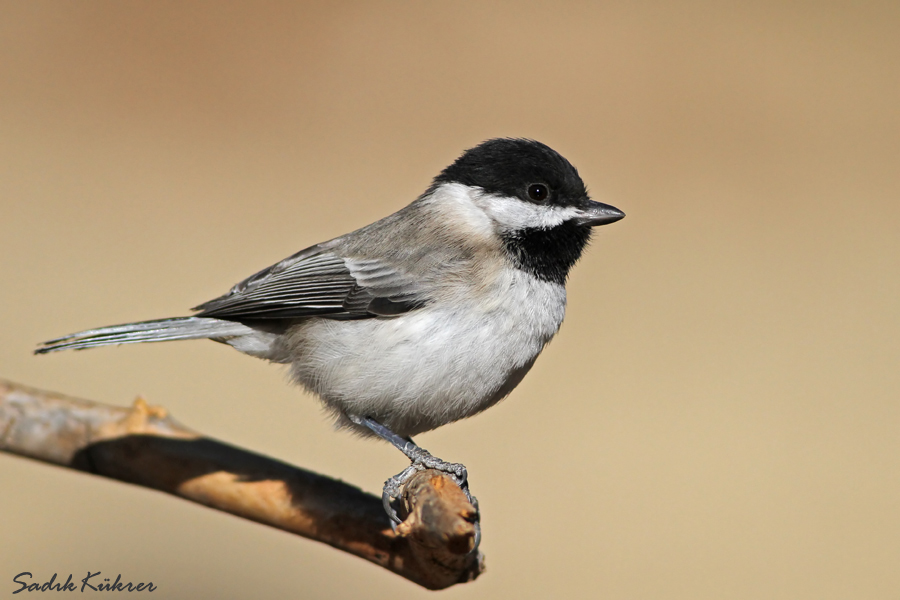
144	446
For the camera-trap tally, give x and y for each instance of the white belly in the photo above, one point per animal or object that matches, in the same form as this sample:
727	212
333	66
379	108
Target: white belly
431	366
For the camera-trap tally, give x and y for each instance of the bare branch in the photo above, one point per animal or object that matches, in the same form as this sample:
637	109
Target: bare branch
144	446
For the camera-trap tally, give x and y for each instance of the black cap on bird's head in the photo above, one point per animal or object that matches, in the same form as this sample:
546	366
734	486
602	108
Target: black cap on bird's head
530	171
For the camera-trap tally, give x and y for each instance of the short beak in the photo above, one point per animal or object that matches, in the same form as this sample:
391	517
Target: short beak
596	213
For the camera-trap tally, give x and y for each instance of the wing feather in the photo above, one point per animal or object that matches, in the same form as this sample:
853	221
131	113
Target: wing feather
317	282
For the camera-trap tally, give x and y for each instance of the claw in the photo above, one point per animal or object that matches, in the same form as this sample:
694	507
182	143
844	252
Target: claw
386	500
391	492
477	538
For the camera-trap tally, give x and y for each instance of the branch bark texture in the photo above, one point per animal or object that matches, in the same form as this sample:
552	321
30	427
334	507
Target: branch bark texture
143	445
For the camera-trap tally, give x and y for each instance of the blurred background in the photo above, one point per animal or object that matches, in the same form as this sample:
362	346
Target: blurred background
719	415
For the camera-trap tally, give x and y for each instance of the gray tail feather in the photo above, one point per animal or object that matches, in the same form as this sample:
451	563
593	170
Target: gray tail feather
163	330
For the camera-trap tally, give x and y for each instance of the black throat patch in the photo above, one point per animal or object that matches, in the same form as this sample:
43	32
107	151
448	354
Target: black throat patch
547	254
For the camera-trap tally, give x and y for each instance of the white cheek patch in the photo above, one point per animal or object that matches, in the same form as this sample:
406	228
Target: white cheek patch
485	214
513	214
455	203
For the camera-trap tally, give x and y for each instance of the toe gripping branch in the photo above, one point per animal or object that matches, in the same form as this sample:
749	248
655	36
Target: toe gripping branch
420	460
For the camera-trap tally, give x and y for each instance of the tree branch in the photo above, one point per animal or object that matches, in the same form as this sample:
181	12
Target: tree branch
144	446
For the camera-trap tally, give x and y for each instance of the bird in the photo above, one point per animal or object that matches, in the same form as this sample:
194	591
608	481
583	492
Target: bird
425	317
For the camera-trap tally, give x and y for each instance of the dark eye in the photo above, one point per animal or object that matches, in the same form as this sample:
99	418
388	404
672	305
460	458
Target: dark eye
538	192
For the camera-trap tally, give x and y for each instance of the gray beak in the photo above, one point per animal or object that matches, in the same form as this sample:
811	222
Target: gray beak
596	213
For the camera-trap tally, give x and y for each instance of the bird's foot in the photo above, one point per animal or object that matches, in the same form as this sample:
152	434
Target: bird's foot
421	460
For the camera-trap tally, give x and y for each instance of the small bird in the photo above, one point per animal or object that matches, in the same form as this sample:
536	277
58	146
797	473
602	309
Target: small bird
428	316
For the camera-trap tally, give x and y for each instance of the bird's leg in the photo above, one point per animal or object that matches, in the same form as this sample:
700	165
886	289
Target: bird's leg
420	459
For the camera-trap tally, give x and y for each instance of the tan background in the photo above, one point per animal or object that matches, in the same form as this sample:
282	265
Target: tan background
719	417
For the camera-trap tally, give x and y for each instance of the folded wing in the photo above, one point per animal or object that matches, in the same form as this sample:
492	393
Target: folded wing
317	282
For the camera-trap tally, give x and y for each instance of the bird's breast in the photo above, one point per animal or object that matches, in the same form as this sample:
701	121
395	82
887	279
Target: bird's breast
431	366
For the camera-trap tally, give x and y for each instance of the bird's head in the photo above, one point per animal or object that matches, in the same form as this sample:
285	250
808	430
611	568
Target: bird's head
535	200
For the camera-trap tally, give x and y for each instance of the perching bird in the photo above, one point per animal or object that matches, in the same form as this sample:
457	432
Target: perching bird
425	317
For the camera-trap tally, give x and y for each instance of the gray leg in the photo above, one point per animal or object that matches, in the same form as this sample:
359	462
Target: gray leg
421	459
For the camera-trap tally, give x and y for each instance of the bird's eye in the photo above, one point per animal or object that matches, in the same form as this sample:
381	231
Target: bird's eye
538	192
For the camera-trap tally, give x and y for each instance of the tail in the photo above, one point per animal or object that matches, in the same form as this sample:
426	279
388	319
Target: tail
163	330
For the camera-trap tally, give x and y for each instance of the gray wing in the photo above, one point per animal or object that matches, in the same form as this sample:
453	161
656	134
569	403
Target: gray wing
317	282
